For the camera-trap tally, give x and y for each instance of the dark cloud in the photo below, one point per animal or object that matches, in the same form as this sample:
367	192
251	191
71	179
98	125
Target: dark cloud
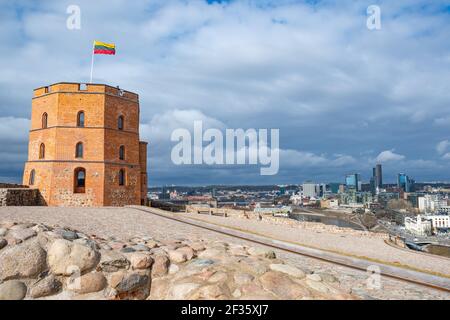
342	96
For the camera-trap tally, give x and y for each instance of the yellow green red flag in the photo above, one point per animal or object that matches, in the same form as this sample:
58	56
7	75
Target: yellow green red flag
104	48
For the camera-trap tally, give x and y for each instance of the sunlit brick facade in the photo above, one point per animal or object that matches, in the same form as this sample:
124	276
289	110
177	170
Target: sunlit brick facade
84	147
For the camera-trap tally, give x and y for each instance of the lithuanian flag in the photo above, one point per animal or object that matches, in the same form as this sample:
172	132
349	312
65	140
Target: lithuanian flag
104	48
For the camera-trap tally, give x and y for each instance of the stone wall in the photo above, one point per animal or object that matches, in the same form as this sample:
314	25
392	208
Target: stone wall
11	185
20	197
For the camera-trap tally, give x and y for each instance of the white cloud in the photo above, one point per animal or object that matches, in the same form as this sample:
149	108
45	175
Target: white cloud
389	155
442	146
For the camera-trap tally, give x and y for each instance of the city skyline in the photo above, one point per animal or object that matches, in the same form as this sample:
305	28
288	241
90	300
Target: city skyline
342	96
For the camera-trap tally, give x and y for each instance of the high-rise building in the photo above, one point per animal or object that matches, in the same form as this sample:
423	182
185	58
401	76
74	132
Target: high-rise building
334	187
352	181
310	189
378	176
405	183
84	147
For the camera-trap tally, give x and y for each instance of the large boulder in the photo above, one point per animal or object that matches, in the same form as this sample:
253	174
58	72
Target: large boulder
45	287
22	234
282	286
129	281
90	282
112	261
160	266
13	290
66	258
140	260
25	260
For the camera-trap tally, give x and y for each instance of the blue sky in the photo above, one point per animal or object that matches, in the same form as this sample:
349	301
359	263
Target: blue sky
343	97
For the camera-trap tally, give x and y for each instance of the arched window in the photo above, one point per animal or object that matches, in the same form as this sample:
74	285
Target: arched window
42	151
121	177
79	180
120	123
79	150
80	119
122	153
32	174
44	120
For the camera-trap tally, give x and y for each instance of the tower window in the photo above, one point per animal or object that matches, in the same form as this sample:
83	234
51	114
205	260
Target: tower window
44	120
80	119
121	177
80	180
120	123
32	174
122	153
42	151
79	150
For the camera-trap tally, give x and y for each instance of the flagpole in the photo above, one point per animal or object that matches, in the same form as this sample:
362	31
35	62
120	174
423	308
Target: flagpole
92	61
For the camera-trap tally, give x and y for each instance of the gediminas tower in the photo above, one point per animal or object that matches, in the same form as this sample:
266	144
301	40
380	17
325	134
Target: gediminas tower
84	147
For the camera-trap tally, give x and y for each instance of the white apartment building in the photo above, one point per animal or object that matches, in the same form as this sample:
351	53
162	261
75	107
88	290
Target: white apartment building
310	189
439	221
418	225
431	203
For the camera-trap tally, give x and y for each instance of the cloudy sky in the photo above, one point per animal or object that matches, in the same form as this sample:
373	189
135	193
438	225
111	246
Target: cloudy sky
343	97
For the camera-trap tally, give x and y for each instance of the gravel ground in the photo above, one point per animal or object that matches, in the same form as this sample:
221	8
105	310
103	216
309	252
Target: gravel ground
124	223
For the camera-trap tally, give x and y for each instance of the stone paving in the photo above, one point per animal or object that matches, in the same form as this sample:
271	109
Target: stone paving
124	224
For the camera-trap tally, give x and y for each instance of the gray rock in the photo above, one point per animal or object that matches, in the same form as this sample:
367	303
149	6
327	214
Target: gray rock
45	287
3	243
65	257
140	247
69	235
202	262
25	260
131	282
3	232
13	290
113	261
127	250
22	234
88	243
